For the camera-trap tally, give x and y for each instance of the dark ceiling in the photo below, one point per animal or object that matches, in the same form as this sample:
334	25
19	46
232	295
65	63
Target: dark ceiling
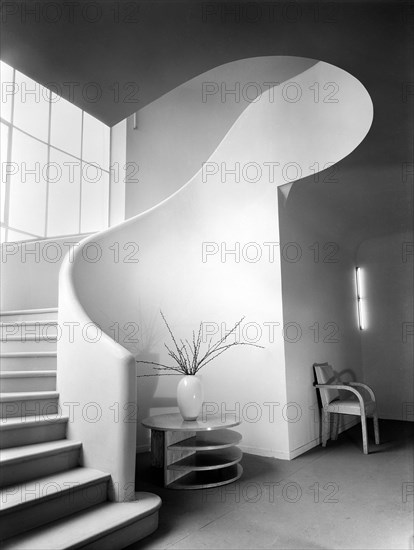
132	52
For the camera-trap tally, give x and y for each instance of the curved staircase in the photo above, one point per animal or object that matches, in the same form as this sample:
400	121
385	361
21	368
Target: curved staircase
48	500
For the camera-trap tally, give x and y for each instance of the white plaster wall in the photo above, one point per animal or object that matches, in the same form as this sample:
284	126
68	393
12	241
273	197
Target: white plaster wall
30	272
319	297
387	342
179	131
171	275
126	274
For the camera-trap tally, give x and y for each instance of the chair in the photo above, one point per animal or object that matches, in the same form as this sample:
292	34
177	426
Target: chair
362	404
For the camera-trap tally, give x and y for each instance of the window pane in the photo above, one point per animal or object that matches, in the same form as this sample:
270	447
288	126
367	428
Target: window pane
27	208
95	198
3	152
13	236
31	107
66	126
64	194
7	88
95	141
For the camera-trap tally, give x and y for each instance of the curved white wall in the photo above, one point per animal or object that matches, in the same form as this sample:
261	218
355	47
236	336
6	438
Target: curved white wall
171	275
178	132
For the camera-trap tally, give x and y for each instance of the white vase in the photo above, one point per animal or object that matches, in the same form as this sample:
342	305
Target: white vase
190	397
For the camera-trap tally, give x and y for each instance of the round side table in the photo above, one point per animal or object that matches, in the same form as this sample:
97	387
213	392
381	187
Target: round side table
195	454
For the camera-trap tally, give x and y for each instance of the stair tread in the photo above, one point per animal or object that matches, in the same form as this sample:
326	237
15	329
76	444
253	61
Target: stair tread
27	373
42	489
86	526
28	311
23	323
29	421
16	354
29	338
26	395
36	450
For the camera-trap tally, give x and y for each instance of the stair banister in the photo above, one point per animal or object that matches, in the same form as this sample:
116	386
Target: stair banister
96	381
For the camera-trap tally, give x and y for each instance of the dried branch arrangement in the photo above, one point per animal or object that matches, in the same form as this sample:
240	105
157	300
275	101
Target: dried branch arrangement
188	356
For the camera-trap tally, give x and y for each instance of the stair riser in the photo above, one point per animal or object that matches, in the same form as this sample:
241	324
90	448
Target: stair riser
32	434
29	317
40	408
28	363
27	345
19	472
41	383
41	330
38	513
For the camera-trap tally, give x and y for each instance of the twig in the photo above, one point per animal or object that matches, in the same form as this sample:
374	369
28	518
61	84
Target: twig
187	356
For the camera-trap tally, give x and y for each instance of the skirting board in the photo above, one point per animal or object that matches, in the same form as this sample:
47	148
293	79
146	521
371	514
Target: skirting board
318	440
282	455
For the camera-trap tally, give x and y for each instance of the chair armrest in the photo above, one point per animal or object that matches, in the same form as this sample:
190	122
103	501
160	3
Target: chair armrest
346	388
367	388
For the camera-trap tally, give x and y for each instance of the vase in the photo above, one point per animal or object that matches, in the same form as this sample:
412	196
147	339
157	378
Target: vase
190	397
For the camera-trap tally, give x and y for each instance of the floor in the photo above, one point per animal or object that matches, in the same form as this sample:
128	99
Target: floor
330	498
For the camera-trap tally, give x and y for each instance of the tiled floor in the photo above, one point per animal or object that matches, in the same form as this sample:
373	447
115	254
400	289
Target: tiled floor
327	498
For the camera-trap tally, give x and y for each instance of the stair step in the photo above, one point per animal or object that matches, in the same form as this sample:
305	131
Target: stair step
107	526
39	404
44	500
28	360
29	314
28	430
30	343
26	328
18	464
21	381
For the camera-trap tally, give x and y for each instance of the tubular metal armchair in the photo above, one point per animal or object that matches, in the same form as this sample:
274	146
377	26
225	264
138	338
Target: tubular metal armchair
360	403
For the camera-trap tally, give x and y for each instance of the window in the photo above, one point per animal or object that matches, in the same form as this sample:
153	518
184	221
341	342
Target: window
64	194
58	170
95	142
4	135
7	91
28	186
31	107
66	126
95	198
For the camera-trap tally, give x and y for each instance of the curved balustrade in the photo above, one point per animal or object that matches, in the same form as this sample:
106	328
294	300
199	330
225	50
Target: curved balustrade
171	258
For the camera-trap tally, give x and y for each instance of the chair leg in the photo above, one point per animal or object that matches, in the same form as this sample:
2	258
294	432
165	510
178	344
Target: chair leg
335	426
325	427
376	428
364	433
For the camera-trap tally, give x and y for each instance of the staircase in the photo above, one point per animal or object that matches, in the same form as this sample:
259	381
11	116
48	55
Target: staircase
48	500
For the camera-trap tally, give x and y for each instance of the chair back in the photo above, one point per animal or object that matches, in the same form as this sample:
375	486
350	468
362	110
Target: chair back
325	375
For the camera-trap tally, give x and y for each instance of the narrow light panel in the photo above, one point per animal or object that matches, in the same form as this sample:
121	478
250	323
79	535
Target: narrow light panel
360	299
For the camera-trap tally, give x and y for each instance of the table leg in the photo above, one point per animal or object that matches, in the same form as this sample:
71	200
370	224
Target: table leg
157	448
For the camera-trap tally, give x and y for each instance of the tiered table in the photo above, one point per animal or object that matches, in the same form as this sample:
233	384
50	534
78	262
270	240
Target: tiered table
197	454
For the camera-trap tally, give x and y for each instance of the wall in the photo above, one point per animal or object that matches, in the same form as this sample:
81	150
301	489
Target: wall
223	209
30	272
319	300
179	131
387	342
118	173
